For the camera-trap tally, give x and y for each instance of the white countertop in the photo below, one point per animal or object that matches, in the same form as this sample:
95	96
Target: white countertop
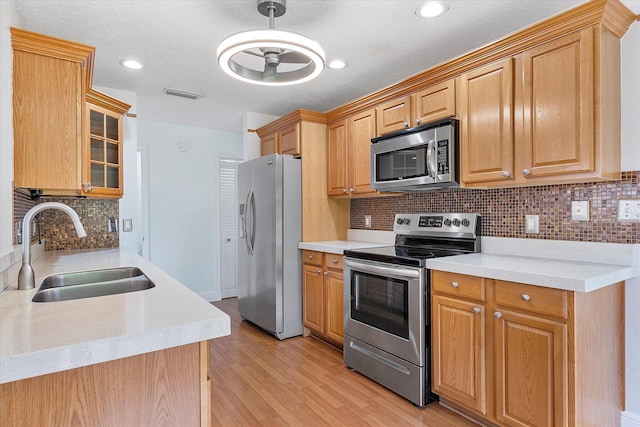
558	274
337	246
42	338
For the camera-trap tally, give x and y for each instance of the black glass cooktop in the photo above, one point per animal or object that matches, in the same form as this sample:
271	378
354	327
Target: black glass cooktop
402	255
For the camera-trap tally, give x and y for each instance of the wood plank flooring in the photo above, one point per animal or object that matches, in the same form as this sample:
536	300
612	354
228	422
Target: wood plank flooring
261	381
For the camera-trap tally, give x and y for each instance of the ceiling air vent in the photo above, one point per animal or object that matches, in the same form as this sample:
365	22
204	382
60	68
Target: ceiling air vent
181	93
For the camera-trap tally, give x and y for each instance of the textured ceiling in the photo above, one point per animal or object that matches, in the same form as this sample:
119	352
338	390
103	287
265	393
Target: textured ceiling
383	42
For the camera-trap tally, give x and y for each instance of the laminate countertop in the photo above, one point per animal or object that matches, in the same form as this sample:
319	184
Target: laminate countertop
42	338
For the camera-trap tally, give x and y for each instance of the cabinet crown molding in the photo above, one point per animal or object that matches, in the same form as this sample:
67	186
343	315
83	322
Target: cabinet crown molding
103	100
290	119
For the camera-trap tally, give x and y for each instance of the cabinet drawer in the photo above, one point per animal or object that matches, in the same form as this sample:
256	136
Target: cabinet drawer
312	257
536	299
459	285
333	261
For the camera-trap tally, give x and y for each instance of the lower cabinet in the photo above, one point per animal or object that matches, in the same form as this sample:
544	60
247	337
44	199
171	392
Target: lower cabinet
168	387
521	355
322	295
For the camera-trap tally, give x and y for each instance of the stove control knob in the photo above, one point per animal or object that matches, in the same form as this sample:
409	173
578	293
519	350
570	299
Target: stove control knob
447	222
456	222
465	222
401	221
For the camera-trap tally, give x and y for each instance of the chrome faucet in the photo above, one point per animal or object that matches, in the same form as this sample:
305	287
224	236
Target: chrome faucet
26	278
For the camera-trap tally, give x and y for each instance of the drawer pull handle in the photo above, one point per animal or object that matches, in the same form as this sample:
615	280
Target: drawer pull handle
454	284
476	310
335	261
525	297
497	315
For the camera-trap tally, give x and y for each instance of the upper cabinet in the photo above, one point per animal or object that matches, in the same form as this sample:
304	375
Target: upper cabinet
348	160
431	103
285	140
53	143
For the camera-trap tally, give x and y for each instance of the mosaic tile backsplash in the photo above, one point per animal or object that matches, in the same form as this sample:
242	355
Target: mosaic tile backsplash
56	228
503	210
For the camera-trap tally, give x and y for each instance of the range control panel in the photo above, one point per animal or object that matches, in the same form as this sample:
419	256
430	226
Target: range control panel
437	224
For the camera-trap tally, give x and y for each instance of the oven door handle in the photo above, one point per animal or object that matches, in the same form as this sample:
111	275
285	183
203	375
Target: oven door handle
408	273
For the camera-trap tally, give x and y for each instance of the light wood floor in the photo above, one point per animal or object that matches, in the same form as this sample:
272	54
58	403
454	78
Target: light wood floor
260	381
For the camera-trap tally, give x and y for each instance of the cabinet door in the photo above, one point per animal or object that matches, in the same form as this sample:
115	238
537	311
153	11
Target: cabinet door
558	106
337	159
312	297
458	352
393	115
334	309
290	140
362	127
435	102
47	111
486	123
269	144
531	370
102	163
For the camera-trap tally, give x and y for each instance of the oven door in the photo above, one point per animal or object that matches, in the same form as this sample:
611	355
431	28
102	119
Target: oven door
384	306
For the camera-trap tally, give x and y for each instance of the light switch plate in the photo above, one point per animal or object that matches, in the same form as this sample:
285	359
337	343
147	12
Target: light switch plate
580	211
628	210
127	224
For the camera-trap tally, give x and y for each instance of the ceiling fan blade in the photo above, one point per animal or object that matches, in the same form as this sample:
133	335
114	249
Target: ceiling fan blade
293	57
269	70
249	52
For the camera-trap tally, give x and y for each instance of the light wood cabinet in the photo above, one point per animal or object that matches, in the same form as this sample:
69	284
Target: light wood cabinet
522	355
323	295
52	103
545	115
432	103
270	144
305	132
348	158
165	387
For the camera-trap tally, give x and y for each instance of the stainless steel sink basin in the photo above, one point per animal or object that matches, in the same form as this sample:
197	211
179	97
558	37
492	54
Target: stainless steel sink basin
93	283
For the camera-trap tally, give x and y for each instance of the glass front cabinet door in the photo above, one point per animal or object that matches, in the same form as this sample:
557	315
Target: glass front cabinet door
102	172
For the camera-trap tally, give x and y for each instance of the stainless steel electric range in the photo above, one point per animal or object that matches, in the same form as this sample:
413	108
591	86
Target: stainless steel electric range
386	304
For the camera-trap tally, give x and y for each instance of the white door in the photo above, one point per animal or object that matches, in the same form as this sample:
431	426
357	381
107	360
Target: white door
228	227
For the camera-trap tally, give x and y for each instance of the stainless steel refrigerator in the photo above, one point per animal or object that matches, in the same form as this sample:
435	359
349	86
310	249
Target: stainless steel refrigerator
270	227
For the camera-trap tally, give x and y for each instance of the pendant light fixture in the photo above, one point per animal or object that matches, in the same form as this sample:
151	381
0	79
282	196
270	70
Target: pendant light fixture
271	57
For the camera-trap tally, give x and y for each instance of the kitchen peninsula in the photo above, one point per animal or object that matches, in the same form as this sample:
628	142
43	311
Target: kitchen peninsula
137	358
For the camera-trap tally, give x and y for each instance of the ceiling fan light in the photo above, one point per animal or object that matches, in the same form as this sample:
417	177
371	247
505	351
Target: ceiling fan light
270	38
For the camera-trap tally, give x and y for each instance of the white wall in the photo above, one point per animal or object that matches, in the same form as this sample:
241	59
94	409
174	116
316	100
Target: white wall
184	236
6	127
630	75
251	140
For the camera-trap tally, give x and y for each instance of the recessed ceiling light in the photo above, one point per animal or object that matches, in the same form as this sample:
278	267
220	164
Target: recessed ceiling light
134	64
431	9
337	63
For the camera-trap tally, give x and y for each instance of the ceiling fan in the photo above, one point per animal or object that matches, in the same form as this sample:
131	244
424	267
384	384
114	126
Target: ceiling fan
285	57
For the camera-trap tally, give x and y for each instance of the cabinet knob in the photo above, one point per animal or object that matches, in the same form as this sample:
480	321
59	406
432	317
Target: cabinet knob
326	273
497	315
335	261
310	256
351	190
318	271
87	187
506	174
417	121
344	190
476	310
454	284
526	172
525	297
406	124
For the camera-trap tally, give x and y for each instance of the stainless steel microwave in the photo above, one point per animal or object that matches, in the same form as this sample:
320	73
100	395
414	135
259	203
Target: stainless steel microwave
420	158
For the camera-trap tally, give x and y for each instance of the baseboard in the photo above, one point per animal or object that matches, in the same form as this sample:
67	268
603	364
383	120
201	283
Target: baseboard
629	419
211	296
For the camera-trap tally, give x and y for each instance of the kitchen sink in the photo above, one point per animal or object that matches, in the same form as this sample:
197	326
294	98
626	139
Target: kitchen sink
92	283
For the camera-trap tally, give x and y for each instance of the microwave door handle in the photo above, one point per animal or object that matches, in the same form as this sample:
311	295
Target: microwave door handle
431	166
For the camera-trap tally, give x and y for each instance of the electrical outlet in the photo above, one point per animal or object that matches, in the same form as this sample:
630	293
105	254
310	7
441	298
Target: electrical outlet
367	221
532	224
580	211
628	210
127	224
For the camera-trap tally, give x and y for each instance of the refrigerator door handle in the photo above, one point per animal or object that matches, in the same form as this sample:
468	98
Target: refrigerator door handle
250	232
